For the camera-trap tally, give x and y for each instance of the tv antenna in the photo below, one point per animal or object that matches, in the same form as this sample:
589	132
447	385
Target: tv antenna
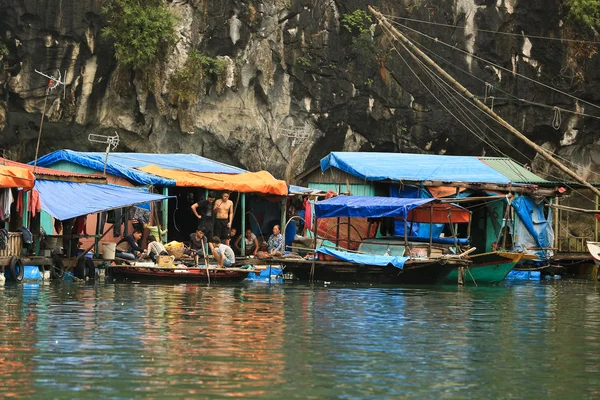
53	83
298	135
109	141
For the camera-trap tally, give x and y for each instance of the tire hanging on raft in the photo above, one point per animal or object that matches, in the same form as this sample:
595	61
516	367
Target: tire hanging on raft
16	263
58	267
84	268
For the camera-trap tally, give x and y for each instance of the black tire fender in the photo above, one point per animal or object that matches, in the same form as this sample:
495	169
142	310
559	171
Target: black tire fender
90	268
15	262
58	267
79	270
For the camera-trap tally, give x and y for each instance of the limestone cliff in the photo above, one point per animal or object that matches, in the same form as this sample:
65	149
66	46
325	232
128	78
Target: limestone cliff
291	62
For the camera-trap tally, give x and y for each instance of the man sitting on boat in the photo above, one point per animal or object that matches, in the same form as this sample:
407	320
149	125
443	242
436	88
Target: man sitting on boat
128	248
222	253
155	248
198	243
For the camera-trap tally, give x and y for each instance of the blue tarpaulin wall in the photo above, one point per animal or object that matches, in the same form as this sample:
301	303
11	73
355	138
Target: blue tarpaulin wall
413	167
365	259
420	230
124	164
64	200
367	207
533	228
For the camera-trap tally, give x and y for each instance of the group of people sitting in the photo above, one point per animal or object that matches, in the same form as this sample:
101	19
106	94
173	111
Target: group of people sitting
219	244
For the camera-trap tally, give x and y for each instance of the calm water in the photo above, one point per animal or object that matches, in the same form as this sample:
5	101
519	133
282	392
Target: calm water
528	340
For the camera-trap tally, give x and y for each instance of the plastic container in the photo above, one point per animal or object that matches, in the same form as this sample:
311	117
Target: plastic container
108	251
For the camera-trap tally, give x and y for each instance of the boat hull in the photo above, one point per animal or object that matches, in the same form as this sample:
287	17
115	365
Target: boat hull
177	274
419	273
594	250
487	268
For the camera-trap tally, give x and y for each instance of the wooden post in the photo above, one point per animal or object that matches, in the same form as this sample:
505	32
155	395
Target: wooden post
556	217
243	225
469	225
420	56
98	232
461	276
596	221
165	212
283	219
430	230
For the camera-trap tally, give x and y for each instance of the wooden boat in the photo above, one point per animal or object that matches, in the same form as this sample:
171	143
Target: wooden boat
594	249
415	271
176	274
488	268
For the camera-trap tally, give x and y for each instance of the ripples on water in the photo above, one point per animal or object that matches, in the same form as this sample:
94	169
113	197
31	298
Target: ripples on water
191	341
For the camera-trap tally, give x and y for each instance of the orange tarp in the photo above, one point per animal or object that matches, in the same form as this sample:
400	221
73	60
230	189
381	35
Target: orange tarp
16	177
247	182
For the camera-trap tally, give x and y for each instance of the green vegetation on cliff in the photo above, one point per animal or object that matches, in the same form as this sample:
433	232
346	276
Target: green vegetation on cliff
187	83
141	30
586	12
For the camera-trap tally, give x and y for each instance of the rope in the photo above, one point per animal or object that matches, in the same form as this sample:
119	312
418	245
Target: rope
557	119
502	138
494	32
436	40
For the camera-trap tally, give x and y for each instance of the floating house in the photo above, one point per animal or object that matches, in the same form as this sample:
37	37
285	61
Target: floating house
510	205
184	178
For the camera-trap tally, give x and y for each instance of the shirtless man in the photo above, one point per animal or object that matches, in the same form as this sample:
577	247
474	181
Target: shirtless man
223	209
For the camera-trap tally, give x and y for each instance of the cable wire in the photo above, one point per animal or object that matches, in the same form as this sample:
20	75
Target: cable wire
436	40
494	32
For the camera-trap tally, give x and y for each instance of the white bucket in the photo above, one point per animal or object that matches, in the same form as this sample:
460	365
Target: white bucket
108	251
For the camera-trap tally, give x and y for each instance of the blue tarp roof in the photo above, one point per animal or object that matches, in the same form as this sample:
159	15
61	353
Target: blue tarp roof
365	259
124	164
414	167
64	200
367	207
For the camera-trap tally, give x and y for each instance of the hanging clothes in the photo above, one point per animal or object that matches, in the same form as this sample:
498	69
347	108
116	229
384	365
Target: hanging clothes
79	226
35	205
19	206
6	199
141	215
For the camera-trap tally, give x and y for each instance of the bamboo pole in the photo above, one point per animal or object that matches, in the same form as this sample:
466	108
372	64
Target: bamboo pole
412	50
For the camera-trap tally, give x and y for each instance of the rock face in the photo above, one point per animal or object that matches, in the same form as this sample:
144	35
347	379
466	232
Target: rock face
291	64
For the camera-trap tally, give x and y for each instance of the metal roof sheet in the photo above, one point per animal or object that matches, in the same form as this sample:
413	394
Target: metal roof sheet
515	172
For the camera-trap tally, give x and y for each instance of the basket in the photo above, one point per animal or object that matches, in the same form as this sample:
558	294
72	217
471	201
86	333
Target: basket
175	249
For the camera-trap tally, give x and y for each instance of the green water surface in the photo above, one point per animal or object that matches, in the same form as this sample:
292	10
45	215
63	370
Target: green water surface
519	340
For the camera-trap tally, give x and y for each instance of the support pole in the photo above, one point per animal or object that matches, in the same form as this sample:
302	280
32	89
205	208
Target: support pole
165	212
430	230
282	225
243	225
420	56
596	221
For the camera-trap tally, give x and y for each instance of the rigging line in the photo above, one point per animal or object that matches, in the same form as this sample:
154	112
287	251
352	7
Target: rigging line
436	40
495	147
431	52
523	35
508	143
559	179
434	96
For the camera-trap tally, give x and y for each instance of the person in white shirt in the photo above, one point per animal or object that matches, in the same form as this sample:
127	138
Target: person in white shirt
155	248
222	253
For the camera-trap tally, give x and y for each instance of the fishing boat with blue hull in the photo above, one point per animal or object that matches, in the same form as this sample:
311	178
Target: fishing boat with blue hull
488	268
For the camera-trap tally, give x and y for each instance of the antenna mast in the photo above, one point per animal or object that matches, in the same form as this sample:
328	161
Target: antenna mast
109	141
53	83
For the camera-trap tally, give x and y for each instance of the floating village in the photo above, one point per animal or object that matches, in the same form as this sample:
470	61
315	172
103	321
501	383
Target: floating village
389	218
358	217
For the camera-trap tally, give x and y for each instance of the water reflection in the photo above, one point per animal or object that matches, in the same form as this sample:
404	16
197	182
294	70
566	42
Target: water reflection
292	341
